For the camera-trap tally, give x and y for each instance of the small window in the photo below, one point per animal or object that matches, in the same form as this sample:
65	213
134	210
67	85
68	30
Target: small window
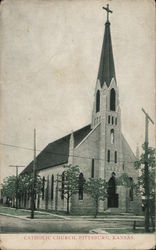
81	184
108	155
92	170
52	187
112	120
123	166
116	121
112	136
43	187
112	100
109	119
47	189
97	101
115	157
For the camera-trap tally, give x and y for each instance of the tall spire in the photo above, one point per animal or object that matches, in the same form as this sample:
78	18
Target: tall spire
106	67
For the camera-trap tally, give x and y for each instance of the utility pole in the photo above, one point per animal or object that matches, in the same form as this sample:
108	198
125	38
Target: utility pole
147	119
34	178
15	166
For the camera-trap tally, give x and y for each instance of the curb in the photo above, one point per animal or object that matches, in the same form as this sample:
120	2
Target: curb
71	219
14	216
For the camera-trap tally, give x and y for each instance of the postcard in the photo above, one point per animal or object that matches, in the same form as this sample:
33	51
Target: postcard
77	127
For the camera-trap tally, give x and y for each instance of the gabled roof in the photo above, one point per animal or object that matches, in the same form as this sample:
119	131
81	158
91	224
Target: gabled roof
126	146
57	152
106	67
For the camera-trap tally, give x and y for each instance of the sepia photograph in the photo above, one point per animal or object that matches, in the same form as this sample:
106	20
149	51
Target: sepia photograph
77	124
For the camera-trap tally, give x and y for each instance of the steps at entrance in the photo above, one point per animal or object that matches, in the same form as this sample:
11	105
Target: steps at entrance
113	210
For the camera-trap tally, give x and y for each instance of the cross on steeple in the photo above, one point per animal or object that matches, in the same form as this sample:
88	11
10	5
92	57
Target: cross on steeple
106	68
108	11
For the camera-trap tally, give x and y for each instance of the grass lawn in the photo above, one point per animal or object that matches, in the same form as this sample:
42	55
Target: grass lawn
27	213
14	211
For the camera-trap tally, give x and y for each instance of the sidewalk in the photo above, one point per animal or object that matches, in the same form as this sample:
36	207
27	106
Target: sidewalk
118	230
52	222
43	215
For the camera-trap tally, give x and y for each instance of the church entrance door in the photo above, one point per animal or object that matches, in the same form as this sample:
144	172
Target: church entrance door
112	195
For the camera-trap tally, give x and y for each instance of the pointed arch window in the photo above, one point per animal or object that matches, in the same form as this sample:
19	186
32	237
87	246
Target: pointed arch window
52	187
62	188
97	101
81	184
92	170
112	120
109	119
43	187
47	193
112	100
123	166
108	155
112	136
115	157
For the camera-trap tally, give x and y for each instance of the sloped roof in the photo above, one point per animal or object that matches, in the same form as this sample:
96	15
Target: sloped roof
57	152
106	67
126	146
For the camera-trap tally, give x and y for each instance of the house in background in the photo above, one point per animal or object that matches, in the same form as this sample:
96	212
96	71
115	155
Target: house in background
99	149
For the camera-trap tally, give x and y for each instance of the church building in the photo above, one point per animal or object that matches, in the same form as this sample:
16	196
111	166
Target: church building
99	149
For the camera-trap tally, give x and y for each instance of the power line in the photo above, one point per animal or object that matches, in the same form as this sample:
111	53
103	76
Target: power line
146	168
15	146
61	154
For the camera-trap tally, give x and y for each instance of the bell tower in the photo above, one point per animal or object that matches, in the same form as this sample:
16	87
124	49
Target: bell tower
106	109
106	74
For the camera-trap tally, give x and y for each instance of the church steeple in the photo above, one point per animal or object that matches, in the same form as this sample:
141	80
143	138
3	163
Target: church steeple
106	68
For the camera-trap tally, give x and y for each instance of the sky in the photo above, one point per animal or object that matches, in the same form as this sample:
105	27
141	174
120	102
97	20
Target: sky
50	53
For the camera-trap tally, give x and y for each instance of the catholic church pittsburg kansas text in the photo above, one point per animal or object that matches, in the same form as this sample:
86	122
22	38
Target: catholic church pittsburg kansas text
99	149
